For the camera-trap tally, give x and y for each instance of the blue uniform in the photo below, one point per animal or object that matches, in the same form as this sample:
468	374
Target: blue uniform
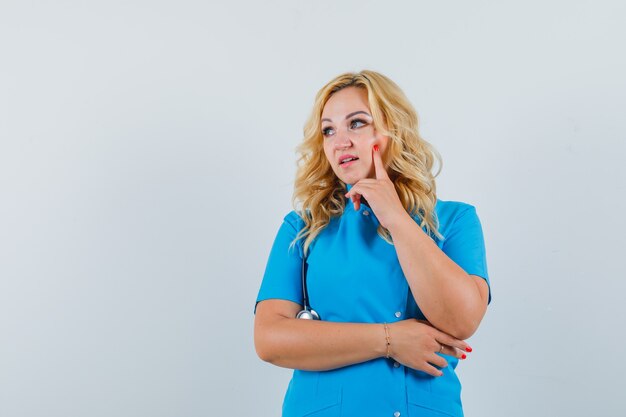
354	276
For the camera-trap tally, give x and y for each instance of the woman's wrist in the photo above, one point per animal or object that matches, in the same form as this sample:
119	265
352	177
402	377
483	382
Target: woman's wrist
399	223
379	340
387	341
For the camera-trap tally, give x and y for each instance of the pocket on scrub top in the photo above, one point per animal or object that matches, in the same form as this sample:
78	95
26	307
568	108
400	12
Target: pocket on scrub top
416	410
425	400
327	411
427	404
309	395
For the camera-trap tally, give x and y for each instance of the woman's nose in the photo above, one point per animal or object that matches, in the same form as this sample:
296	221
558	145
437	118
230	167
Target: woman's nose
343	140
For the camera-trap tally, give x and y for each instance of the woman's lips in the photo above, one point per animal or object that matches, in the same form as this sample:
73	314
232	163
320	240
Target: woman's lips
347	164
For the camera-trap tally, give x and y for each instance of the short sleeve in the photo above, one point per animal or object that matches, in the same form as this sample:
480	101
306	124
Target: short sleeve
464	244
283	273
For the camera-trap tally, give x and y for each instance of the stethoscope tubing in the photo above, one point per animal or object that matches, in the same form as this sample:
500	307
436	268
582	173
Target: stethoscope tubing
307	312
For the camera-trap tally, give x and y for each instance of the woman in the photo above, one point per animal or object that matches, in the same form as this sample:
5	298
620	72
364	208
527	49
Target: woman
398	277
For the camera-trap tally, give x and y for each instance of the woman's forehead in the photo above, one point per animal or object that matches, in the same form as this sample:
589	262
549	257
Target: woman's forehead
344	102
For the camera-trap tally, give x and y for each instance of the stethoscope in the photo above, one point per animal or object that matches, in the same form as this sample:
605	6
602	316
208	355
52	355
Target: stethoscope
307	313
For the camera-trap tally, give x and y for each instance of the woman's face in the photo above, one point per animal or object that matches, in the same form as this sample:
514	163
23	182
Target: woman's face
348	131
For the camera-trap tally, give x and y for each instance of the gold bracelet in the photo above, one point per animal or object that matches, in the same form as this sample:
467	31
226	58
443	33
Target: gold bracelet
387	338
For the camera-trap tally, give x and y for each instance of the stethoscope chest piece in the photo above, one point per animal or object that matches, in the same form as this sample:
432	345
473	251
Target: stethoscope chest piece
308	315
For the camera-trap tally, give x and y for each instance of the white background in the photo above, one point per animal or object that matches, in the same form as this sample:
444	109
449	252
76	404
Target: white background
147	160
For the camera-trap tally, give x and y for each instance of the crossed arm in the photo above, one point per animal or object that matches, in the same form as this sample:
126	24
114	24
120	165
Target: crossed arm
451	300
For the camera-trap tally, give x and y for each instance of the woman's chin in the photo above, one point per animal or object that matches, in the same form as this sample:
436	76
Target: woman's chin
350	179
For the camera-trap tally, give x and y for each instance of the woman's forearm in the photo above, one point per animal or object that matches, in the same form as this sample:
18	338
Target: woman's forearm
318	345
446	294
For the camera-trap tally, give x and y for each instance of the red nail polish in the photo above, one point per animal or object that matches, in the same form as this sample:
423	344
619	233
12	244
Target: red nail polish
469	349
376	148
464	356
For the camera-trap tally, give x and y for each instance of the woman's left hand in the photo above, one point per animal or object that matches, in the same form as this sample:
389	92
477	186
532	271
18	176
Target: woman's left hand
380	193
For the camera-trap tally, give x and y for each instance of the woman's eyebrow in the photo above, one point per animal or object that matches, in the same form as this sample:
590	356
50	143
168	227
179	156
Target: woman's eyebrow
350	115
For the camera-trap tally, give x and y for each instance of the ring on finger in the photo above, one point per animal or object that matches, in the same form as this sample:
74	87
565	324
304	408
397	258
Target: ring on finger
441	349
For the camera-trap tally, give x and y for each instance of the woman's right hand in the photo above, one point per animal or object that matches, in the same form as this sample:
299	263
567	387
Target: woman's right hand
415	343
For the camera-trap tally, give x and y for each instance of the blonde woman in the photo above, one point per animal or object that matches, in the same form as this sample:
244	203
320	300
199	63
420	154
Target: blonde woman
397	277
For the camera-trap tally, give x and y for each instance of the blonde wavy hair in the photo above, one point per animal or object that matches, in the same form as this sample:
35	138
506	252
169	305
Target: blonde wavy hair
319	193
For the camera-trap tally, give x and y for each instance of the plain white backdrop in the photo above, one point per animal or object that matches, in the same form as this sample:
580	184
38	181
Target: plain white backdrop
147	160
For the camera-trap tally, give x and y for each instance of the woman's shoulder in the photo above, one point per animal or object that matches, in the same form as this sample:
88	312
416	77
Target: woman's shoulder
450	211
451	208
294	218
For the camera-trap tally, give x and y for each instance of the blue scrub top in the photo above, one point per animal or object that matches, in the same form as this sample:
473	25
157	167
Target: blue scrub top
353	275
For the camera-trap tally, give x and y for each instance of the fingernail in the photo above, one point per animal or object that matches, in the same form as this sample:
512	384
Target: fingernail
468	349
464	356
376	148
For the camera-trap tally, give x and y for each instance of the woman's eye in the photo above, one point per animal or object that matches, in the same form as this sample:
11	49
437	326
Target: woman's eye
326	131
352	123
